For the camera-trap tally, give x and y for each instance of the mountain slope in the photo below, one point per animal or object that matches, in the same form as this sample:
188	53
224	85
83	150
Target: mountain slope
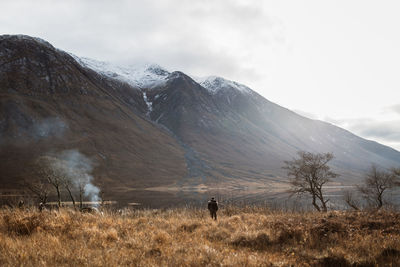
41	86
146	127
245	136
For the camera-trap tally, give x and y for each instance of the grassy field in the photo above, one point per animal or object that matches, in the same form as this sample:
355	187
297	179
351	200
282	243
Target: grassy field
247	236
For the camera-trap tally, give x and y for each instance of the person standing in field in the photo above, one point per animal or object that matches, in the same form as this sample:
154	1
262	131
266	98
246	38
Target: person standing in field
213	208
21	204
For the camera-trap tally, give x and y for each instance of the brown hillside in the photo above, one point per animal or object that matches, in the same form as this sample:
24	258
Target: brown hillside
44	88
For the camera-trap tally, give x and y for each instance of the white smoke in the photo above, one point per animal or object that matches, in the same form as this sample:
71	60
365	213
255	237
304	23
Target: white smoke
92	192
52	126
77	168
34	129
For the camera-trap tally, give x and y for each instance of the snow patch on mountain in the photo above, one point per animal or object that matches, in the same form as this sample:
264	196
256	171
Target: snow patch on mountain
149	76
144	76
148	103
215	84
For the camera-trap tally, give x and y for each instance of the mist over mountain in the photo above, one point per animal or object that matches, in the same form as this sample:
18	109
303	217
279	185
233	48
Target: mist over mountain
146	127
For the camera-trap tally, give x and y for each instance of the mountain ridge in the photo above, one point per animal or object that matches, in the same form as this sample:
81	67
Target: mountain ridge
145	133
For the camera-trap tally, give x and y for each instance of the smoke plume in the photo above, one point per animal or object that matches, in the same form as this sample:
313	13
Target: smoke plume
48	127
77	169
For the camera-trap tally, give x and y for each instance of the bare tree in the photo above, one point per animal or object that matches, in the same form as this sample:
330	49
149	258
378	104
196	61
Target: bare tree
102	193
69	170
47	171
68	186
40	188
350	200
72	178
376	184
396	172
310	173
81	190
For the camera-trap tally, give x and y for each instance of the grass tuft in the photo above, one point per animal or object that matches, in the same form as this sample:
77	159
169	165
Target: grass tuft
259	242
242	236
21	224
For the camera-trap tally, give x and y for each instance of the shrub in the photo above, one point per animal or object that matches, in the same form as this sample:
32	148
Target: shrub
333	261
17	223
259	242
286	236
189	227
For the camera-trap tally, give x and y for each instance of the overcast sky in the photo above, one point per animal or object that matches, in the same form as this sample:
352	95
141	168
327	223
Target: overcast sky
337	61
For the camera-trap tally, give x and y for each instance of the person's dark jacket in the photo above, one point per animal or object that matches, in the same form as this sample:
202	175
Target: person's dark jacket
212	205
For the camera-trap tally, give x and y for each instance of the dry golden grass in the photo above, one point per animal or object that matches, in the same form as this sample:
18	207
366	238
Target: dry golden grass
248	236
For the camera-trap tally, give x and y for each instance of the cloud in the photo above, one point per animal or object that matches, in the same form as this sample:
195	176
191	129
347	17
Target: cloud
198	37
389	130
393	109
386	132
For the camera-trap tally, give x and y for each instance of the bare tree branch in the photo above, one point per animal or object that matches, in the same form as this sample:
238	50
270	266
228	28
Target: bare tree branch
310	173
349	199
40	188
396	172
68	186
376	183
47	171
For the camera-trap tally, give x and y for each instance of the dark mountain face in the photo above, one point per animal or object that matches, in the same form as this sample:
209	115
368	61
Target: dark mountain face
50	103
152	128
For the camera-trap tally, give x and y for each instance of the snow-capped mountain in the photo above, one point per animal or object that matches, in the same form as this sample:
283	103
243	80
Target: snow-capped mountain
147	127
139	76
214	84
